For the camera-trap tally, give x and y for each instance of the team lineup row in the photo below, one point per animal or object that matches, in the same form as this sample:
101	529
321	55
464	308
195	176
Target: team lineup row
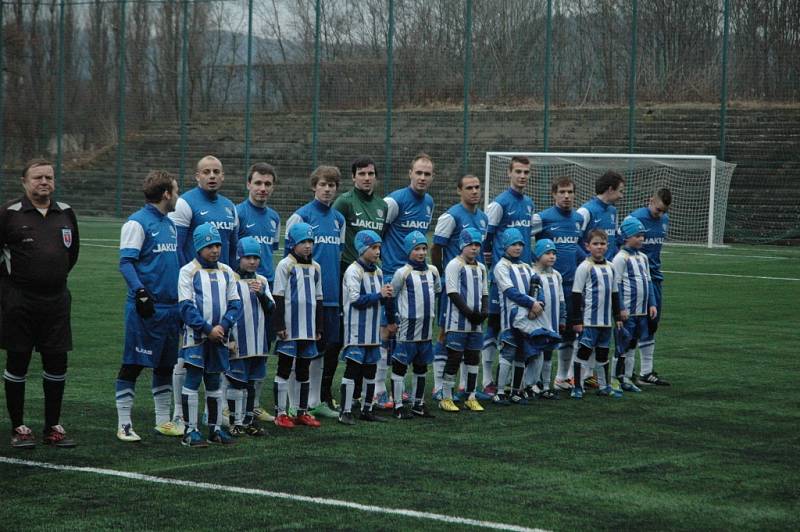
205	304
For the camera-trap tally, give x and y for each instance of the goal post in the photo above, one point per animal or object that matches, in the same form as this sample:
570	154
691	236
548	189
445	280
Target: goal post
699	185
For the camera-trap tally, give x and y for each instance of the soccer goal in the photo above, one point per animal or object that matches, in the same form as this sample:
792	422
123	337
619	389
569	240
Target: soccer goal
699	185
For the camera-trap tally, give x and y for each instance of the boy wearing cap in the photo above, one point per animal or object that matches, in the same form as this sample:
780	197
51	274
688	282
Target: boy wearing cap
297	321
595	311
554	317
363	294
416	286
466	307
209	306
637	299
249	345
513	277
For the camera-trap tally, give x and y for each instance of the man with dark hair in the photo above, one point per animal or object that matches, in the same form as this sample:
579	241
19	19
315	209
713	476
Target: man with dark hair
148	261
600	212
39	246
262	222
328	226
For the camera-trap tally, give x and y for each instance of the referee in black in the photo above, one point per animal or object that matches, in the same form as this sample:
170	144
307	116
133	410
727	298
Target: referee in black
38	247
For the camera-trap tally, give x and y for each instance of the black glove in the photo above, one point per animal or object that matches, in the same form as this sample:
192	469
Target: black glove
144	304
475	318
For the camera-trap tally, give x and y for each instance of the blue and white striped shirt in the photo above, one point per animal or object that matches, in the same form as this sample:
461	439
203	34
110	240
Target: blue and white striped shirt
415	292
252	327
301	288
633	277
596	282
555	309
362	288
469	280
515	276
209	290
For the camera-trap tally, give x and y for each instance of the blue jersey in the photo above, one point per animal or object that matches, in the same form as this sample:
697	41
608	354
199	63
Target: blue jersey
633	277
329	228
263	224
149	242
509	209
198	206
596	283
406	211
597	214
208	297
361	291
564	229
252	328
449	226
301	288
469	280
654	238
415	292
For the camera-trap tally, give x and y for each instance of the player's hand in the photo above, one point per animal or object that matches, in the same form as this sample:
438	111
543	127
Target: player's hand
624	315
145	307
619	325
387	291
475	318
233	347
283	335
536	309
653	313
318	336
255	286
217	334
578	328
391	328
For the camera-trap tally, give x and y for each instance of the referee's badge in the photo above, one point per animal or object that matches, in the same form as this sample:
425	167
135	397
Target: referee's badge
66	237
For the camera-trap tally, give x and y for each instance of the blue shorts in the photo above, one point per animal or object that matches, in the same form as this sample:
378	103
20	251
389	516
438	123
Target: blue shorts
297	348
363	354
247	369
464	341
634	330
596	336
331	327
211	357
408	353
152	342
494	299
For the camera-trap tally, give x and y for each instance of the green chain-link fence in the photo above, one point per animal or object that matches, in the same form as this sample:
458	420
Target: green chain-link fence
112	89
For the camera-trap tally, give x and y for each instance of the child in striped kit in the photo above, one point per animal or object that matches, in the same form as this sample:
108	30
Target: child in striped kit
363	294
415	285
637	299
466	308
209	306
249	344
596	311
297	321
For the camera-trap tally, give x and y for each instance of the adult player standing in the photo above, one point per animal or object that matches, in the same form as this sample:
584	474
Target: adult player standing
512	208
600	211
655	219
329	230
407	209
195	207
561	224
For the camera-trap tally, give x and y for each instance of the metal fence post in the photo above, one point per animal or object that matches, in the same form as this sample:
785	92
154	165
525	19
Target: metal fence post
315	98
60	92
2	89
248	73
632	81
547	54
467	78
387	143
723	93
184	88
121	107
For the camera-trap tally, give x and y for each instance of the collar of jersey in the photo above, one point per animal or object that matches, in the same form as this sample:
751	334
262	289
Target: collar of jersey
205	264
154	210
210	196
415	193
419	266
299	259
256	207
563	212
515	260
516	193
363	195
321	206
27	205
367	267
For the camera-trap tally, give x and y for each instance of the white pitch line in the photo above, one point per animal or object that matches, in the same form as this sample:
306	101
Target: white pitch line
737	276
275	495
99	239
726	255
98	245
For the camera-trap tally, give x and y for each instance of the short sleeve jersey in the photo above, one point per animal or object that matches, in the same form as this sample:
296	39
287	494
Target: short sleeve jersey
150	239
415	292
360	211
654	238
406	211
300	285
564	229
329	231
449	226
250	332
263	224
361	326
598	214
209	290
597	285
471	282
510	209
197	207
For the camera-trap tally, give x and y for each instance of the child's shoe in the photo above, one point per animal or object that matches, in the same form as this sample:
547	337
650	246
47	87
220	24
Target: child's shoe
518	399
448	405
220	436
402	412
193	438
284	421
577	393
306	419
473	405
126	433
346	418
421	410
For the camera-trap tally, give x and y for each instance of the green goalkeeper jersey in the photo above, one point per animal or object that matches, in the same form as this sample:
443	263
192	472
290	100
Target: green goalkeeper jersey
360	211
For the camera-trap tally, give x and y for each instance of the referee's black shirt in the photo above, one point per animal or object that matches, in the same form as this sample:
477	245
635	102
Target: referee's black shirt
37	252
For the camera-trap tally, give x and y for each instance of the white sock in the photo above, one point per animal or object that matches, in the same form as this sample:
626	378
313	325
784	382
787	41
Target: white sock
293	389
462	381
314	382
447	386
283	393
503	375
398	387
438	371
258	385
347	400
178	378
380	375
162	395
237	395
191	415
487	363
646	352
601	375
547	369
124	406
630	363
564	362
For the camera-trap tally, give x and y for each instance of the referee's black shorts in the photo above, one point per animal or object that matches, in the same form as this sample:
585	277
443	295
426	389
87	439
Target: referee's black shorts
33	321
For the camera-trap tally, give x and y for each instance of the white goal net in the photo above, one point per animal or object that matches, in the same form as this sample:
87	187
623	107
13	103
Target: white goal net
699	185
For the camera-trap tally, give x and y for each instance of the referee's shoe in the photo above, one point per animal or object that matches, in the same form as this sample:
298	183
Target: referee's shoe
57	436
